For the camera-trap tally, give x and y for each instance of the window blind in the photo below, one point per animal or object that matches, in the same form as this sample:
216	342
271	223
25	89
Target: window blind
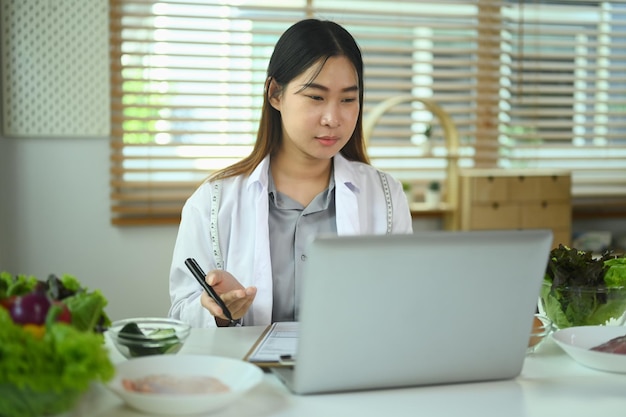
564	92
526	84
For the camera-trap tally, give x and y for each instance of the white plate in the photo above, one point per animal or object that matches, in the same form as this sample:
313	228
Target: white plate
238	375
577	342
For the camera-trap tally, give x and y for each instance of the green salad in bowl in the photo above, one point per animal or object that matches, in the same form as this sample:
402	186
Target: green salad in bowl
51	344
581	289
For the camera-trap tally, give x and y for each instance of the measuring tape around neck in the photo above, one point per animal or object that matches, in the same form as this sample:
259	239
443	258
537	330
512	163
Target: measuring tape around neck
383	180
215	240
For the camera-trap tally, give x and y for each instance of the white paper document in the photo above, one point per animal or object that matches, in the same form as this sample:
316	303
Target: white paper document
276	346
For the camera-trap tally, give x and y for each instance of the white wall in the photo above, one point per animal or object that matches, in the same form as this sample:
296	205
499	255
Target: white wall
5	202
54	215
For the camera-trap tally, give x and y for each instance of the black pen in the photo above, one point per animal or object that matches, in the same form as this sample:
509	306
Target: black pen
199	274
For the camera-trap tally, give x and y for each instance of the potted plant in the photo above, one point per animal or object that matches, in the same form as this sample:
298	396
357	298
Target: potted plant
407	187
432	196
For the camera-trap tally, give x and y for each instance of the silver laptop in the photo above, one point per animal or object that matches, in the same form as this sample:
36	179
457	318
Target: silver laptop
422	309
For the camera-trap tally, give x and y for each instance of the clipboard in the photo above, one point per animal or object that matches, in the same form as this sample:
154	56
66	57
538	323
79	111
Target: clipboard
276	346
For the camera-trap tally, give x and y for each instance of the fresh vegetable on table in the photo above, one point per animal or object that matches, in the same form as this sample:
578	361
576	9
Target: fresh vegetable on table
51	344
580	289
29	300
154	342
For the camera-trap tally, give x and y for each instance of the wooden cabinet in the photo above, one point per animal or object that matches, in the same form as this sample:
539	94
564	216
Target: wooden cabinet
523	199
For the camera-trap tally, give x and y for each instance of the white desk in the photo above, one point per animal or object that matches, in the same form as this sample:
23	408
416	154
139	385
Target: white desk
551	384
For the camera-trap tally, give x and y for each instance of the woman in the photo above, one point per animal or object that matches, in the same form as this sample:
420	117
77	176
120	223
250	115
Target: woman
249	224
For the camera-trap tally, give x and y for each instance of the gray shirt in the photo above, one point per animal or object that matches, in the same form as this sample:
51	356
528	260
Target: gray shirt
292	227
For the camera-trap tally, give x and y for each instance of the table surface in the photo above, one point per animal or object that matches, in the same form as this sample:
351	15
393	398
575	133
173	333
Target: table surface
550	384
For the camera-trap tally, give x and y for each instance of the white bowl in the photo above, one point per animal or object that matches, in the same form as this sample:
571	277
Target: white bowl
238	375
577	342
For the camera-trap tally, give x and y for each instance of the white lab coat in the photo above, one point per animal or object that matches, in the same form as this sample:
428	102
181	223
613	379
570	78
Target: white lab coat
244	233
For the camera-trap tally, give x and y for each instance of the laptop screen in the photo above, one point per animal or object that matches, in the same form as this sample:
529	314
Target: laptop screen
427	308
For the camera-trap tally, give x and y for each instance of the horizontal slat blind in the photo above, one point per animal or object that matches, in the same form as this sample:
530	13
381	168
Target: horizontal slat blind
431	50
187	79
564	99
186	91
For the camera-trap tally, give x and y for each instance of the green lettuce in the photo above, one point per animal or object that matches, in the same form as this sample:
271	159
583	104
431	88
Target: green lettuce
15	285
45	371
40	376
87	307
580	289
88	310
615	276
70	282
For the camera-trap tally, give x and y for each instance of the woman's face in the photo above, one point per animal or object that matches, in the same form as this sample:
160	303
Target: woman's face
319	115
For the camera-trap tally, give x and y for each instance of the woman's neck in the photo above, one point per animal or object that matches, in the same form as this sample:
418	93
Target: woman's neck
301	180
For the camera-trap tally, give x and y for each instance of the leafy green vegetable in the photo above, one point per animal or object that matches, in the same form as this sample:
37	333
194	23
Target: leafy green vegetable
71	283
58	367
615	276
580	289
45	368
87	307
155	342
16	285
575	268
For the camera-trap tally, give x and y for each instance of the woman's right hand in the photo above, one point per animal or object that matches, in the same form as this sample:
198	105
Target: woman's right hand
237	298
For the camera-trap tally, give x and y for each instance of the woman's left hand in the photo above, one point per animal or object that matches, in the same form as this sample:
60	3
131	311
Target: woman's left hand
237	298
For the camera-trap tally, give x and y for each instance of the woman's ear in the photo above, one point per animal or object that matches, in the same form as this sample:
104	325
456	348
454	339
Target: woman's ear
273	91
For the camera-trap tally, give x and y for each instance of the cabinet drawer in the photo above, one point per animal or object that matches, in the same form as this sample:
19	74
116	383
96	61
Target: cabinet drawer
533	188
488	189
546	214
494	216
556	187
525	188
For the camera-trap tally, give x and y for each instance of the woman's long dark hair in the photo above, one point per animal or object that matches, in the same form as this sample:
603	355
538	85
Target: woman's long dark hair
303	45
